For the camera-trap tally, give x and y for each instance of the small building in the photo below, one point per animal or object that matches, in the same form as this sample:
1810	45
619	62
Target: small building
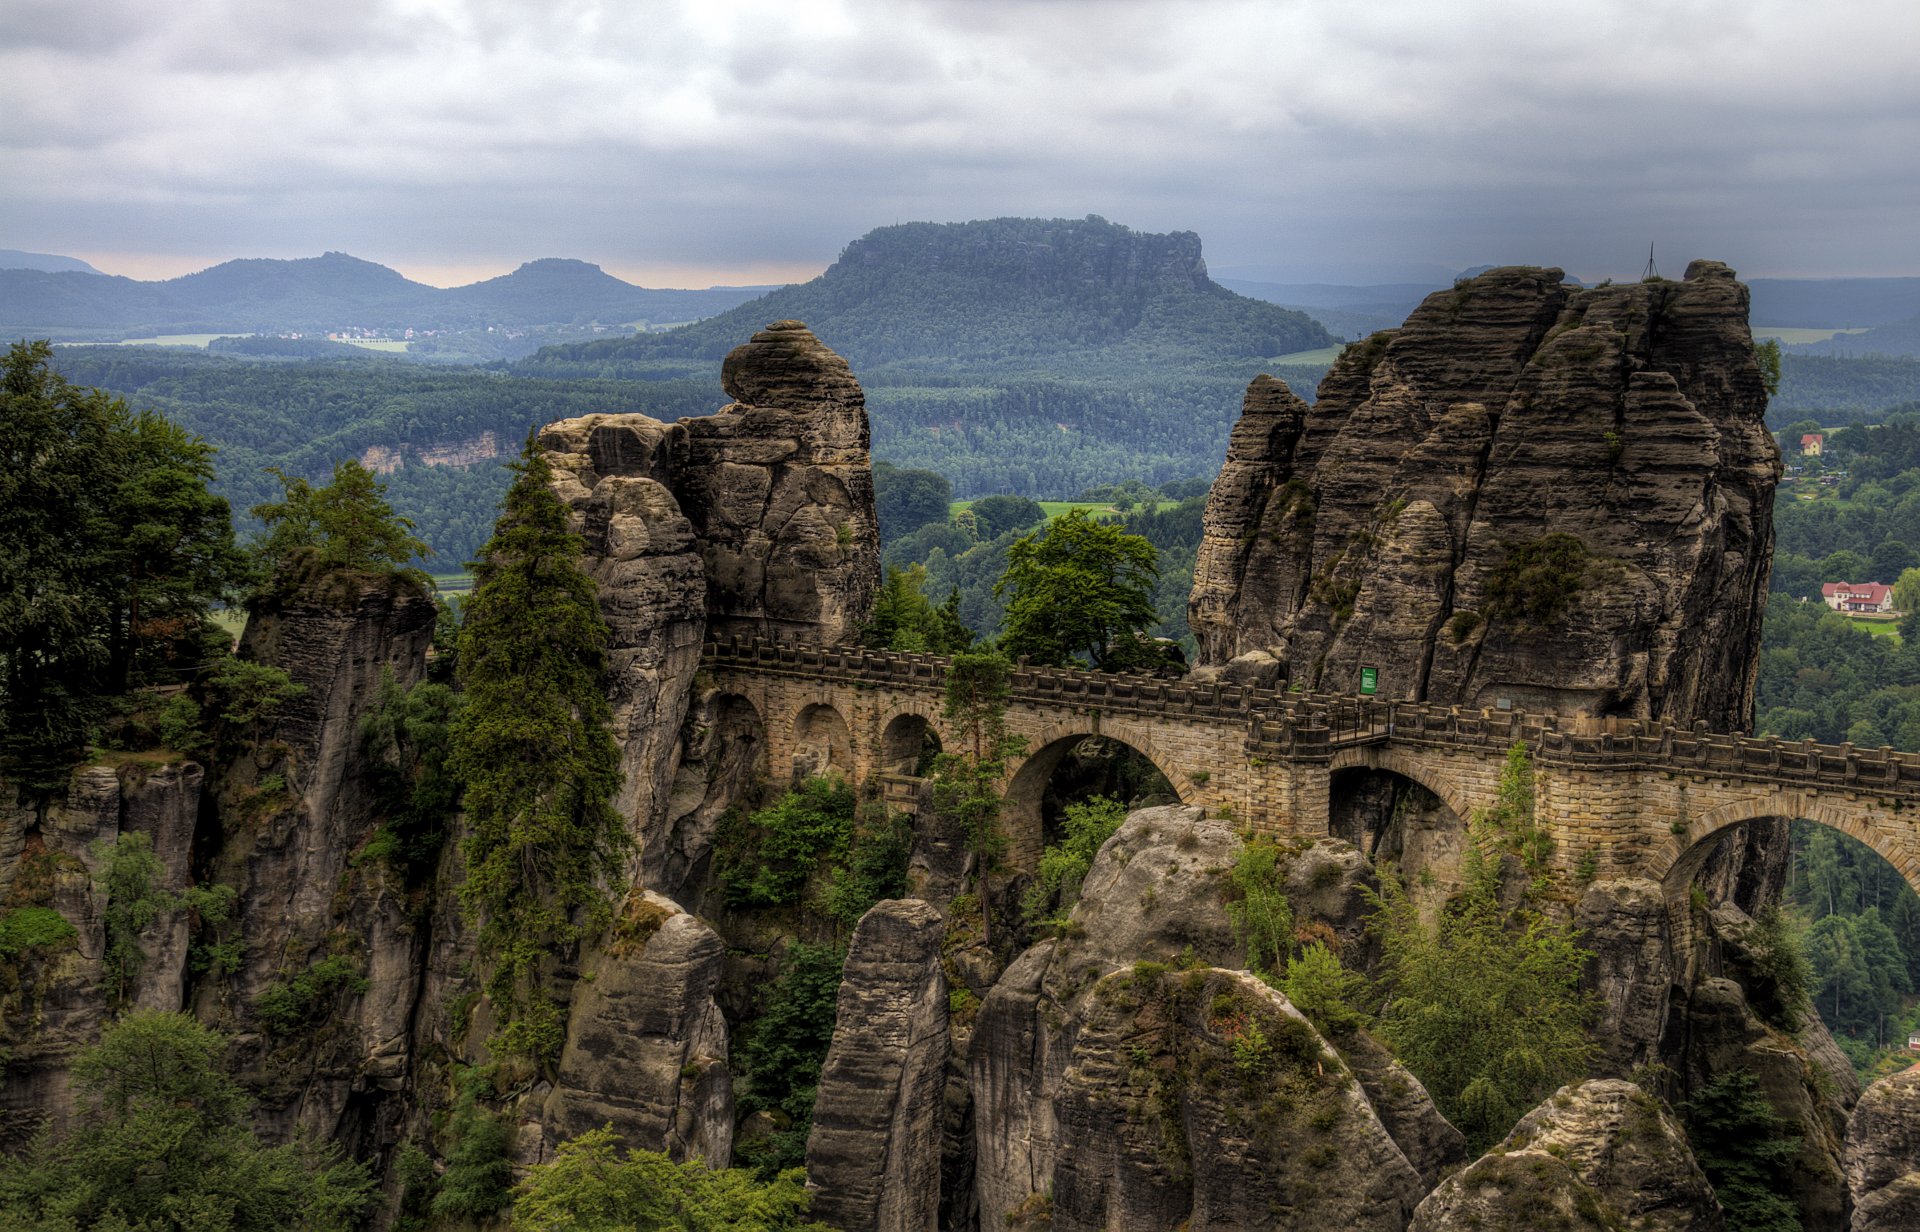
1811	444
1869	597
1913	1042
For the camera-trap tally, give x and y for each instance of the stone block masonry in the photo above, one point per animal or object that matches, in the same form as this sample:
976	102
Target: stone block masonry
1621	798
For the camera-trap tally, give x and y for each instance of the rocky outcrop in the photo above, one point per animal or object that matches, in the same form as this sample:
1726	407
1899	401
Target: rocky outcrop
297	804
1531	491
1883	1155
1596	1155
1060	1110
873	1157
617	473
54	997
646	1047
757	520
1202	1097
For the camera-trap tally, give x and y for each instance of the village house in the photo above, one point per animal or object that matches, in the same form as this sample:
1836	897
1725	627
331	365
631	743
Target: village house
1811	444
1869	597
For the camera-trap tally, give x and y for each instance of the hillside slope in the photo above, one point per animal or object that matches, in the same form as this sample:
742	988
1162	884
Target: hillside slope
331	292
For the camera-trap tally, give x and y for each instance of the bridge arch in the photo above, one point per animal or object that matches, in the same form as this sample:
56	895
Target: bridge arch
822	740
1027	781
1412	768
1679	860
908	742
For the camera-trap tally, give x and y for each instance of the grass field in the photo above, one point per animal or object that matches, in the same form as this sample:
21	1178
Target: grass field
1053	509
1323	355
1879	628
177	340
453	583
378	344
1794	337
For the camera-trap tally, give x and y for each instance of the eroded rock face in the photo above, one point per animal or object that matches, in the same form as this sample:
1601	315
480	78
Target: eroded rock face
292	823
646	1047
1600	1154
780	490
873	1157
1377	526
757	521
1050	1096
1203	1097
1883	1155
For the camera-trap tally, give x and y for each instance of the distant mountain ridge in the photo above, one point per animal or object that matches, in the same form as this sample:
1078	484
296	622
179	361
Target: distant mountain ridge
995	292
13	258
334	292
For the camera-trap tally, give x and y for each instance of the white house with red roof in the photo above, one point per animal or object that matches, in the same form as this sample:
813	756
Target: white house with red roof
1858	596
1812	445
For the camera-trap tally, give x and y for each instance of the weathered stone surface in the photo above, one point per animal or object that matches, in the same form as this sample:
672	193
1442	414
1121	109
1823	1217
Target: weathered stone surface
1202	1096
617	472
646	1047
1625	926
873	1157
780	490
1156	894
1366	529
1883	1155
295	809
756	520
1597	1154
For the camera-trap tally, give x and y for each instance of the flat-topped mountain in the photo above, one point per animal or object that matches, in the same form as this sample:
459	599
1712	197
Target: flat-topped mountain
335	291
999	292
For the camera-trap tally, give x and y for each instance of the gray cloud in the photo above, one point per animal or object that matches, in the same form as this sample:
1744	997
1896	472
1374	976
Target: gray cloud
1313	138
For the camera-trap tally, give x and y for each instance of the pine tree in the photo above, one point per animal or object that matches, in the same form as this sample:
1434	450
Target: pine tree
534	751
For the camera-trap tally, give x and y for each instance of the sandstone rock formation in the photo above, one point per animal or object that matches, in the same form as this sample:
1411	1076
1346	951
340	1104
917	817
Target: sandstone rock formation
1596	1155
1883	1155
873	1158
1407	520
646	1048
757	521
1059	1107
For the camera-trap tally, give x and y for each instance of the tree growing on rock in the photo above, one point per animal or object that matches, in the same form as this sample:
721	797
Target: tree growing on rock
113	552
967	778
1080	588
534	752
346	524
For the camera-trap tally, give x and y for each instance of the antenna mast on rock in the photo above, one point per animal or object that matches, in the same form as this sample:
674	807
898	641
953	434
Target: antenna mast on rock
1653	271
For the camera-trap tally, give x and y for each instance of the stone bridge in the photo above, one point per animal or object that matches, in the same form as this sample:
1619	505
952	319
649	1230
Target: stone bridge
1621	797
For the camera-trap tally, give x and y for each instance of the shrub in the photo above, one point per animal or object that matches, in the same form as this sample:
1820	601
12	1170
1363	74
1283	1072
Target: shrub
766	859
31	928
1323	990
284	1006
588	1186
1536	581
1086	826
1262	917
1745	1149
478	1181
783	1050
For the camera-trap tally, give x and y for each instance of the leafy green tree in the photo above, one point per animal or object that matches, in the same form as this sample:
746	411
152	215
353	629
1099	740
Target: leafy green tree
478	1182
112	554
1079	588
162	1144
1258	907
590	1186
999	514
1746	1150
1324	990
347	524
967	778
1086	825
409	742
1488	1013
906	500
534	753
904	619
784	1049
1906	591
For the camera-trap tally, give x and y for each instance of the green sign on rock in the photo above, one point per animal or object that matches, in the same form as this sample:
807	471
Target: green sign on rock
1369	679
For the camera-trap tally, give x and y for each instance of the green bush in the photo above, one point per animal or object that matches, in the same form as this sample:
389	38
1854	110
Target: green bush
783	1050
1326	992
588	1186
31	928
284	1006
1262	917
875	869
1086	826
1536	581
766	859
478	1182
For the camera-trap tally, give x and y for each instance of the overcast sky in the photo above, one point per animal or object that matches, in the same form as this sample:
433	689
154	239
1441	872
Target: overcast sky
732	142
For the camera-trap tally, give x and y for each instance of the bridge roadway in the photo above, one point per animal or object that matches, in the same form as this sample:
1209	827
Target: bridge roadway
1636	797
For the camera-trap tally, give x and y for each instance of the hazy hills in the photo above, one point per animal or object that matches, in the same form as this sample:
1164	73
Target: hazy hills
13	258
334	292
995	294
